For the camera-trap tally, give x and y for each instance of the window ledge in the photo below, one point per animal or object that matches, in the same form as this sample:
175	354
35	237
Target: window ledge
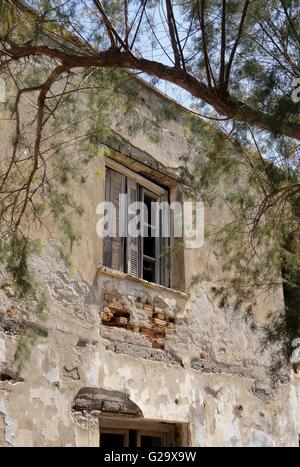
151	285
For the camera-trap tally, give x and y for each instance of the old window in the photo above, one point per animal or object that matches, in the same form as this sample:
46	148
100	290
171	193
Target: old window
142	207
121	433
114	438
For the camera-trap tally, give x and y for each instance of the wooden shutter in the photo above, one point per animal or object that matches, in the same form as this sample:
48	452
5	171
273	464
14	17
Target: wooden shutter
132	240
123	224
107	240
141	239
116	241
113	249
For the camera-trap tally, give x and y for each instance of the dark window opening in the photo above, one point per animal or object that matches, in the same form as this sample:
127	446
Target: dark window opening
149	252
132	438
149	269
114	434
112	440
151	441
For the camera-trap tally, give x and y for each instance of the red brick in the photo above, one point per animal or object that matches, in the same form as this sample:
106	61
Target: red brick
159	322
121	320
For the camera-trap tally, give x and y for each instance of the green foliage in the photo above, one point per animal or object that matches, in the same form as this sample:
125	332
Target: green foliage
24	348
267	58
259	237
73	137
6	13
68	230
196	280
169	111
14	253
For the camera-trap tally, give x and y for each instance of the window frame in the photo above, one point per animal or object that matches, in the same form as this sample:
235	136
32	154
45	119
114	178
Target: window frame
165	431
143	186
154	434
139	179
157	247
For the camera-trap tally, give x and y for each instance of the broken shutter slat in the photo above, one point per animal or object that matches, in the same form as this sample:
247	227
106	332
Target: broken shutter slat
132	239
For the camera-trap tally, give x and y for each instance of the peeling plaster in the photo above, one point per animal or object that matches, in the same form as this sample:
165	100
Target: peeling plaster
211	364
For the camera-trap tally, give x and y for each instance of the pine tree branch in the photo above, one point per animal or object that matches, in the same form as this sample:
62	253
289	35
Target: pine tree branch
236	43
223	48
225	105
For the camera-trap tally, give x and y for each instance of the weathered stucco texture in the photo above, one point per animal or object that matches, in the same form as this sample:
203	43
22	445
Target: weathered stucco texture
209	370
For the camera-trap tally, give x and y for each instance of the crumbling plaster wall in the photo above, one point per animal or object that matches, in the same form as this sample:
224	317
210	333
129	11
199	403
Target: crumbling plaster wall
170	146
165	140
212	373
226	403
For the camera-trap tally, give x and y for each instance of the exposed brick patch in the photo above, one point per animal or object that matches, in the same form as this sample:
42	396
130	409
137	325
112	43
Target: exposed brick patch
157	324
148	307
114	312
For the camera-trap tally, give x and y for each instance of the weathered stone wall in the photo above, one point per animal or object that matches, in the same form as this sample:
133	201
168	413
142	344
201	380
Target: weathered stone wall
180	357
209	375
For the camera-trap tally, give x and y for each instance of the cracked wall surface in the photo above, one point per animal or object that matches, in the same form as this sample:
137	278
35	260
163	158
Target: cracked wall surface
210	370
226	396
